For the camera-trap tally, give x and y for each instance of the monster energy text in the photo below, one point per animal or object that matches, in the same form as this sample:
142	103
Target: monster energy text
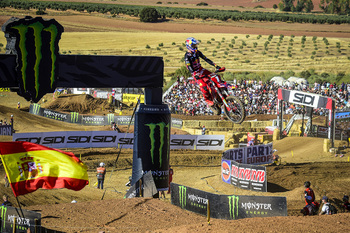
233	206
162	139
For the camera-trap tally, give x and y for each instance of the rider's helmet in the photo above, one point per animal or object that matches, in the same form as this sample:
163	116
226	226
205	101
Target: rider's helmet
102	164
191	44
307	184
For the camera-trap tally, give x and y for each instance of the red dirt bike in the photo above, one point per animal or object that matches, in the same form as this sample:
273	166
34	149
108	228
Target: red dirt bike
223	96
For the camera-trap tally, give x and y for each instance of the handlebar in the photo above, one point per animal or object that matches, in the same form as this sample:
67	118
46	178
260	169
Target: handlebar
221	69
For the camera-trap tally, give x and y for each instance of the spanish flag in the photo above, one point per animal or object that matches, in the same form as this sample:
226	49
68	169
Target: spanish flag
30	166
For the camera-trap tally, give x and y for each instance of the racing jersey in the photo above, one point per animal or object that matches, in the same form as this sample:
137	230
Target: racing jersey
192	61
309	192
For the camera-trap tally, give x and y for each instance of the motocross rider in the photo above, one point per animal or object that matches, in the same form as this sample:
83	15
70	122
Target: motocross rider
199	73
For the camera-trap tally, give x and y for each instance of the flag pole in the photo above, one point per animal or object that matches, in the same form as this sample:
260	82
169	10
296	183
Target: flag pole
10	182
20	208
120	149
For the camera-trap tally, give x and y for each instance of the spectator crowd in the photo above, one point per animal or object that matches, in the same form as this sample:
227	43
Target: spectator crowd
184	97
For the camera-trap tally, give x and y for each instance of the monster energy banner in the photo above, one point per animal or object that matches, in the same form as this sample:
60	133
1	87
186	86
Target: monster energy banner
151	144
251	177
144	187
77	118
6	130
36	47
8	214
227	206
123	120
54	115
259	154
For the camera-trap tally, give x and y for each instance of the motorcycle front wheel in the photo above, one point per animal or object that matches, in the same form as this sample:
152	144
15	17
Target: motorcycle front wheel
236	114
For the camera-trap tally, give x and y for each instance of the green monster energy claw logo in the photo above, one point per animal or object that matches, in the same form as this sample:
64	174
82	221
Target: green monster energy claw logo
162	127
233	206
3	216
37	52
182	196
110	118
74	117
36	109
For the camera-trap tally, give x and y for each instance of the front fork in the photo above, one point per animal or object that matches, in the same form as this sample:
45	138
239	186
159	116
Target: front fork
218	92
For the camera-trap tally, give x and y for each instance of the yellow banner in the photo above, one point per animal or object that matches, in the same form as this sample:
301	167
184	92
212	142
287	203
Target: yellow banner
133	98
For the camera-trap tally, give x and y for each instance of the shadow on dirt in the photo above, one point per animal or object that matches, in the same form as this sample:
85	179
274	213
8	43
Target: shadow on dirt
275	188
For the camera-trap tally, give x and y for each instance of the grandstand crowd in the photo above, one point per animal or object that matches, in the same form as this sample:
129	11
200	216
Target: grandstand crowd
259	98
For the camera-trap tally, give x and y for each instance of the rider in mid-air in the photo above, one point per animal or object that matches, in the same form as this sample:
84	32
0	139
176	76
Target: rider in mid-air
199	73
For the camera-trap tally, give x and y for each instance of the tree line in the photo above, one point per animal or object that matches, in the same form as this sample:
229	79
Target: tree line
186	13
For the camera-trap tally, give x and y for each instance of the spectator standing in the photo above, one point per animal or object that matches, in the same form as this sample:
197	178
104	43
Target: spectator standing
275	157
6	201
7	184
171	172
203	130
18	105
251	142
161	194
101	172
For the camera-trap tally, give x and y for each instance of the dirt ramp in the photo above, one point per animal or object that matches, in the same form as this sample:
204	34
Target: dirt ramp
83	104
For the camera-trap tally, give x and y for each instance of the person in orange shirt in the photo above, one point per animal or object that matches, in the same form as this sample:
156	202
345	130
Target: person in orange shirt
101	172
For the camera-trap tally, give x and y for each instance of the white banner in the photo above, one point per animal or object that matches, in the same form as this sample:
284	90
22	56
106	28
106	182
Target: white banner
210	142
259	154
98	139
179	141
304	98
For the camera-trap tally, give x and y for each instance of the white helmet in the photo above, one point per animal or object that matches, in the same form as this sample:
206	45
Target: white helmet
102	164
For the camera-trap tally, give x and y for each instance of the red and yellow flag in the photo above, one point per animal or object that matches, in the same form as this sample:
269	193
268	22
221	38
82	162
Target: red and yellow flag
30	166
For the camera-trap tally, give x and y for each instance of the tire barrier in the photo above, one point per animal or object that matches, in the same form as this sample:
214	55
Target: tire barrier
227	206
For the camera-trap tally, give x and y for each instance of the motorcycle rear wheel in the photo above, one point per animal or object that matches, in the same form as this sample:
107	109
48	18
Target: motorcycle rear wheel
237	113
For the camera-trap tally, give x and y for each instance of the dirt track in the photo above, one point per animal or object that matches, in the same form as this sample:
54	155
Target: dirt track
302	159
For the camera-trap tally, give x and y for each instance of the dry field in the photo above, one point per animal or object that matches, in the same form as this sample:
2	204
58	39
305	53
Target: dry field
235	45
